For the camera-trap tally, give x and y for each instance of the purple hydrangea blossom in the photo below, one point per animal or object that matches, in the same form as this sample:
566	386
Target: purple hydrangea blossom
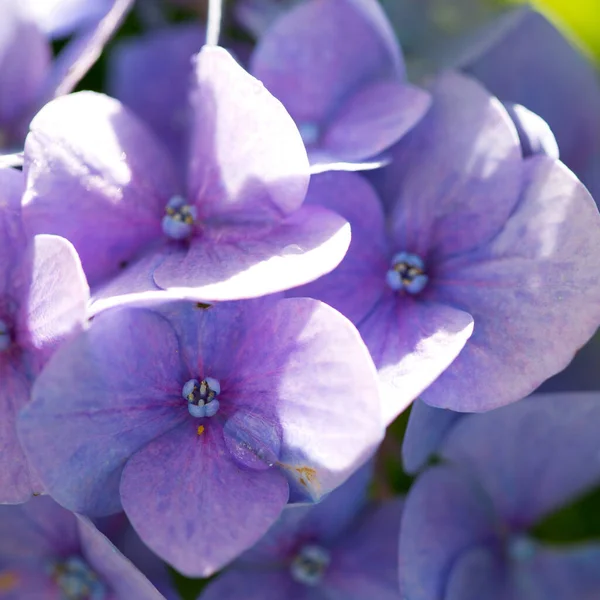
465	528
203	423
480	245
337	68
238	230
49	553
43	300
344	548
29	76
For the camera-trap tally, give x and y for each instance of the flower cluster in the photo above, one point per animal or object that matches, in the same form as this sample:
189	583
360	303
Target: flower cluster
227	275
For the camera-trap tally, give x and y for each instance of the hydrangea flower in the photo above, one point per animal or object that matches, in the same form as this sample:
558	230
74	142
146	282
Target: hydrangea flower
48	553
337	68
480	245
29	76
531	63
43	300
466	523
238	230
202	424
343	548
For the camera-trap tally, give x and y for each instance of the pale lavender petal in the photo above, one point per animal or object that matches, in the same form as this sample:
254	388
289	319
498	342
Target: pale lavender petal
456	177
541	267
152	75
532	456
209	509
247	159
58	18
12	238
107	198
445	514
373	119
103	402
116	571
427	427
411	343
535	134
321	51
355	286
246	261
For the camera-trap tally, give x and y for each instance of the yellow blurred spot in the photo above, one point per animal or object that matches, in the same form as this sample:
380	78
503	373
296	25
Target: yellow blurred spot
8	581
200	429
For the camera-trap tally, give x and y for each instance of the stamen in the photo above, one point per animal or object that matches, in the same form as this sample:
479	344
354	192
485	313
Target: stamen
202	397
310	564
179	219
77	581
407	273
5	337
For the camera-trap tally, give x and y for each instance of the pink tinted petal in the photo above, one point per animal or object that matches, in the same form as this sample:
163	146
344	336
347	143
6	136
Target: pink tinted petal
456	177
324	397
411	343
107	198
152	75
445	514
373	119
318	53
534	293
15	479
56	304
24	61
97	402
356	285
209	509
116	571
252	260
365	560
247	159
75	60
532	456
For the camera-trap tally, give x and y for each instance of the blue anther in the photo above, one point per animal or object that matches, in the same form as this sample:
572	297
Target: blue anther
202	397
179	219
407	273
310	564
521	548
5	339
310	132
77	581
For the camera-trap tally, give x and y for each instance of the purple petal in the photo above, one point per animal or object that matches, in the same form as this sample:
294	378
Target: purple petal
58	18
208	510
107	198
24	61
456	177
320	52
541	267
355	286
532	456
373	119
247	160
98	396
83	51
535	134
427	427
535	65
152	75
246	261
272	584
365	561
56	303
411	343
116	571
445	514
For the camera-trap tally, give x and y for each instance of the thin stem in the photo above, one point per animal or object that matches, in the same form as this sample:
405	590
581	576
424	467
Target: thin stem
11	160
215	9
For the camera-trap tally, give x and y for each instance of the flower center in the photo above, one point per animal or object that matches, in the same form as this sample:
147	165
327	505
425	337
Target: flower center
5	338
310	132
521	548
77	581
310	564
179	219
202	397
407	273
